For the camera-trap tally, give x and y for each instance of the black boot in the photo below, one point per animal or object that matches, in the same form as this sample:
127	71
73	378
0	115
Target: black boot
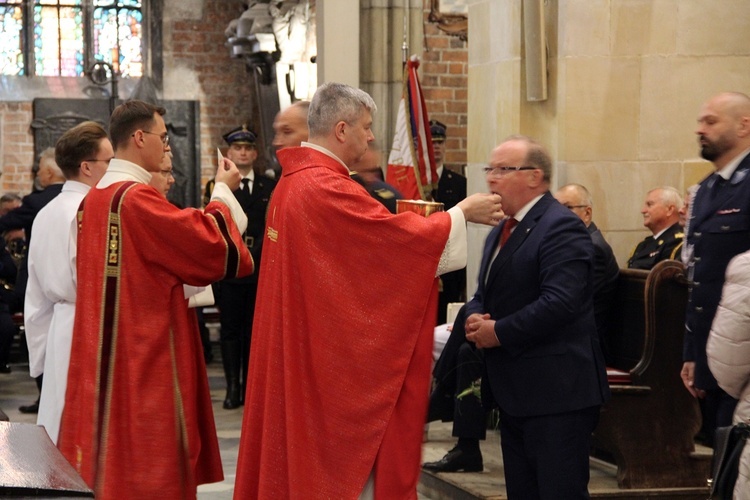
230	356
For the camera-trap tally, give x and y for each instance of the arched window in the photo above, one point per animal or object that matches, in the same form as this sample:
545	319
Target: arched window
64	37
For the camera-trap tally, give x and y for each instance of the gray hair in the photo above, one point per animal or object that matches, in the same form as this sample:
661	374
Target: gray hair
584	196
669	196
334	102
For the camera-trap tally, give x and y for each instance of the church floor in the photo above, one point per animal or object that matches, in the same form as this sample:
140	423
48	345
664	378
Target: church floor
17	389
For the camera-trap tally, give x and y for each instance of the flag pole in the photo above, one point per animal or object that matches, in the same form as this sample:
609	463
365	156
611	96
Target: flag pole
404	44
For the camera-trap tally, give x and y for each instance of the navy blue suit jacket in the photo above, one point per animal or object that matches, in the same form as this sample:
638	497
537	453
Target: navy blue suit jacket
540	292
718	229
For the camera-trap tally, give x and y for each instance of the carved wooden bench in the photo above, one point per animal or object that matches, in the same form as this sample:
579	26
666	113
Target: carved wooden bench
648	427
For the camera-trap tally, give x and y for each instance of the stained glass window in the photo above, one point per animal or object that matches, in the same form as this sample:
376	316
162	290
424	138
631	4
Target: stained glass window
117	35
67	36
11	40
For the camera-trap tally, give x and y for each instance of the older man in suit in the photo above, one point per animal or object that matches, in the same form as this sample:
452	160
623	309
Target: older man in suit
578	199
718	228
533	315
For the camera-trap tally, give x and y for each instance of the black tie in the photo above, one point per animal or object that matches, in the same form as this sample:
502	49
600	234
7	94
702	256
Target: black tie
246	185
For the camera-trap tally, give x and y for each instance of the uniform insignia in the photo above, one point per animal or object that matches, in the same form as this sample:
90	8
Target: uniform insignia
273	234
384	193
728	211
661	242
653	254
679	235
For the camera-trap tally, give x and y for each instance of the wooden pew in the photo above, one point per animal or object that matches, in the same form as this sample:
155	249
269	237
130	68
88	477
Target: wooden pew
648	427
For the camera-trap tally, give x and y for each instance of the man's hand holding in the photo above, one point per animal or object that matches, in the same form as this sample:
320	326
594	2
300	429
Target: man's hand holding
482	208
228	174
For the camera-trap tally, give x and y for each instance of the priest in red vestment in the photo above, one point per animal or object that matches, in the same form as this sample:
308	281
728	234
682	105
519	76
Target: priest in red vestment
138	421
340	369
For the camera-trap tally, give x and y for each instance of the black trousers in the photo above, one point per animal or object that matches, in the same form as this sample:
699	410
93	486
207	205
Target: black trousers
456	371
547	456
236	303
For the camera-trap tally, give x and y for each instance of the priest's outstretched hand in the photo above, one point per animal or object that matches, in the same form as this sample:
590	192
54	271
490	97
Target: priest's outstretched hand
482	208
228	174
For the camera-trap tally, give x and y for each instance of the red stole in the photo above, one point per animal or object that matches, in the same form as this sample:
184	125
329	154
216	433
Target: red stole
138	419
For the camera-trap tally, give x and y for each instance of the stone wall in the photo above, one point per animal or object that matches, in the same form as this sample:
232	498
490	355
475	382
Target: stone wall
626	80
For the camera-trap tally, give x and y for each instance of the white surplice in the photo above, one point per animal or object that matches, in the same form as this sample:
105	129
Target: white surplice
49	305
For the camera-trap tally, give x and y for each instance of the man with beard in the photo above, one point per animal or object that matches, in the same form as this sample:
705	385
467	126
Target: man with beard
718	228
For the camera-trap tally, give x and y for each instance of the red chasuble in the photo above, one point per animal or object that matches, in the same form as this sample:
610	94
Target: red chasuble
341	356
138	421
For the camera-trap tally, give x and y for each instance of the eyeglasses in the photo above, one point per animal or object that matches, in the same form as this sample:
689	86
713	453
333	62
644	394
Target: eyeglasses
571	207
500	171
164	137
97	159
167	173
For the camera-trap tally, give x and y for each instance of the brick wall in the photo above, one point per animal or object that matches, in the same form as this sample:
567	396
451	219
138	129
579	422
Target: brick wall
445	85
17	147
226	100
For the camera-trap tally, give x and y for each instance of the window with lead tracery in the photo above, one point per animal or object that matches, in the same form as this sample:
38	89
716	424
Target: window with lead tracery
64	37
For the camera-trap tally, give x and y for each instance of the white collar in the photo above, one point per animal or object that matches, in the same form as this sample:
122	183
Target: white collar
325	151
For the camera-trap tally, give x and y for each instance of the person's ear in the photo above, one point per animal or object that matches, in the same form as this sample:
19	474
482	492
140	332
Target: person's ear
340	131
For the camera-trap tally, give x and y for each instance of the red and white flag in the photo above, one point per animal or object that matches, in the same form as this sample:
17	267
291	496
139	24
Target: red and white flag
411	164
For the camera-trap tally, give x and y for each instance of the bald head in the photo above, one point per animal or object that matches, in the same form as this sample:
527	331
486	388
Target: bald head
724	127
577	198
290	126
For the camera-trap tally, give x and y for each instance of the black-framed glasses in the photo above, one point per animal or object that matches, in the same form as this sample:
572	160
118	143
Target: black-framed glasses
571	207
164	137
107	160
167	173
500	171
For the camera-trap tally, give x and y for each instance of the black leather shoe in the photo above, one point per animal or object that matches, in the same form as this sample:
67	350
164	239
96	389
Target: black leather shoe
457	460
232	400
32	408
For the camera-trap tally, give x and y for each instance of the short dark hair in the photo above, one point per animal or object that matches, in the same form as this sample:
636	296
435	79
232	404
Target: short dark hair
129	117
76	145
8	197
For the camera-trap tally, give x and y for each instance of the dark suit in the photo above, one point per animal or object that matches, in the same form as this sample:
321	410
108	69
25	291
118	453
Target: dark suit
459	366
606	272
451	190
23	218
718	229
547	376
236	297
652	250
